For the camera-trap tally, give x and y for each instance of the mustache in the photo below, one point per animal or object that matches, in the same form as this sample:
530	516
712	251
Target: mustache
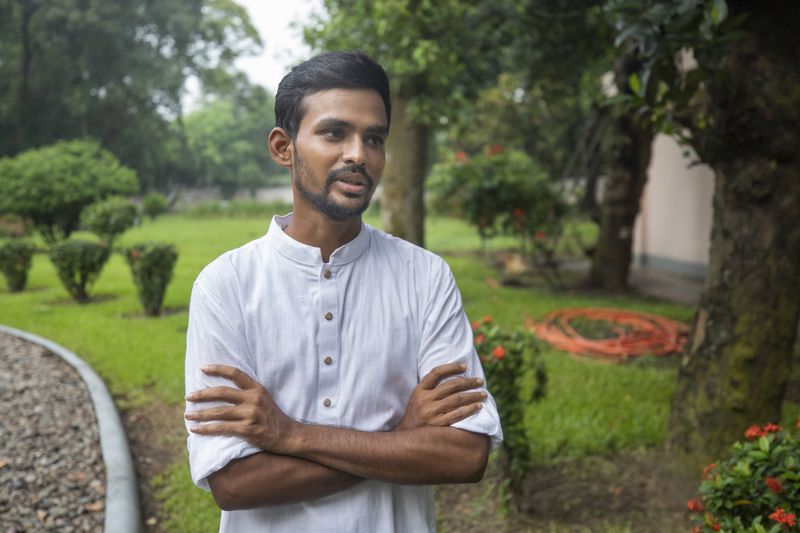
336	174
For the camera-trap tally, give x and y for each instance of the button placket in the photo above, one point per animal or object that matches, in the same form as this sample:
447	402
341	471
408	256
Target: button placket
328	344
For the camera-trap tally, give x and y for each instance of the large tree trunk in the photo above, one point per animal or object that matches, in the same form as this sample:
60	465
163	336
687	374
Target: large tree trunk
402	202
624	182
738	359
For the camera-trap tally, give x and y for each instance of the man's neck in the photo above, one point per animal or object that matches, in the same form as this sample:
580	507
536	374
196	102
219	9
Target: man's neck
315	229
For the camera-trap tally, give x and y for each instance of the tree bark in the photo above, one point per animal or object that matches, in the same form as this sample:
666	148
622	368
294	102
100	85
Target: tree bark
402	200
738	358
624	183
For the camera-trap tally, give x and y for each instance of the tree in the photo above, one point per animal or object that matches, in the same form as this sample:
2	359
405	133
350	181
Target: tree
739	111
431	52
50	186
114	71
227	139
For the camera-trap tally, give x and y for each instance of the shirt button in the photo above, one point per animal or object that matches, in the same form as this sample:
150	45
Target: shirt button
328	360
328	316
327	274
326	402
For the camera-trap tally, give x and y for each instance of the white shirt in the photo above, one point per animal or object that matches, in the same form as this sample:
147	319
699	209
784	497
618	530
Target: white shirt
341	343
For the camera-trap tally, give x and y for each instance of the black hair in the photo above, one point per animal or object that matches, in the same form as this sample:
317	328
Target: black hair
331	70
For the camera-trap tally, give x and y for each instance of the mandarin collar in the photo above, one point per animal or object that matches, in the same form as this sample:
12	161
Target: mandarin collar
311	255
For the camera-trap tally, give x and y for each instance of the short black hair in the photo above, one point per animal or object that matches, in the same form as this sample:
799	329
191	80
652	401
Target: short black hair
331	70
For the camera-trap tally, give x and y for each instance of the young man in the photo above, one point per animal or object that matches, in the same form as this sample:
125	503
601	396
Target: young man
305	347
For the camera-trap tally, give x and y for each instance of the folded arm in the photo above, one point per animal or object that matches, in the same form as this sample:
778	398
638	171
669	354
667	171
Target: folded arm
304	462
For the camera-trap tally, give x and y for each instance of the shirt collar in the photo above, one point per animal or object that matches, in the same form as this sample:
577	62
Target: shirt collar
311	255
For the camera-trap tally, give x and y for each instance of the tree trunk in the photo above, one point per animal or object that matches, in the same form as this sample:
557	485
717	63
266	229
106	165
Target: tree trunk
402	202
735	368
624	182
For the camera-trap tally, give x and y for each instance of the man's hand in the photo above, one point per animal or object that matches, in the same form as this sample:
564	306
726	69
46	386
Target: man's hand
254	416
441	403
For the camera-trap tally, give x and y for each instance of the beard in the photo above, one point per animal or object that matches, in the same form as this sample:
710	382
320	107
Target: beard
323	200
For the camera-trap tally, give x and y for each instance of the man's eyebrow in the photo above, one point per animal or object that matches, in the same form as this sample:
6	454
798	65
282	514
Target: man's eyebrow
339	123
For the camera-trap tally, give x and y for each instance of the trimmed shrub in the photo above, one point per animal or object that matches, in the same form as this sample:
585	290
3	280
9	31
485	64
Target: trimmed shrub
15	261
109	218
154	204
151	266
78	264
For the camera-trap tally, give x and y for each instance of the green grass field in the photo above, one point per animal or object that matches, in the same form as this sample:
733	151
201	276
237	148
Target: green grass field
591	407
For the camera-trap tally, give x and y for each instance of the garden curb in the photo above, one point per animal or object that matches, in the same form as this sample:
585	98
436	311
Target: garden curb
122	494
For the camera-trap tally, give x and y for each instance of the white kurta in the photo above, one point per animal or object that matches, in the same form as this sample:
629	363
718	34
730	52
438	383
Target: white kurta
341	343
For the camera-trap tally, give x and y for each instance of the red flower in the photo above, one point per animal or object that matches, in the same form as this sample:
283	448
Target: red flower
499	352
771	428
518	213
798	422
136	254
782	517
694	506
486	319
753	432
496	149
476	325
715	527
461	156
773	484
707	470
539	235
696	529
480	338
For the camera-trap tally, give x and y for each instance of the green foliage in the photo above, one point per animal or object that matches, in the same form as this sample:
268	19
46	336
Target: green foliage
13	226
154	204
79	264
226	138
504	192
109	218
744	492
506	357
114	71
15	261
50	186
236	209
151	265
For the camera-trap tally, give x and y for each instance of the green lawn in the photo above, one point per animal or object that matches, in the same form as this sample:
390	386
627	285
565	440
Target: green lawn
591	407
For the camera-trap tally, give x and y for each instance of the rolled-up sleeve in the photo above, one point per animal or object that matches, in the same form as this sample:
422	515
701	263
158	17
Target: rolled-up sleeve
447	338
215	336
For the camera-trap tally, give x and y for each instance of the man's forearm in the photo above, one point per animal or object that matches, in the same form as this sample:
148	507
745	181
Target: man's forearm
426	455
268	479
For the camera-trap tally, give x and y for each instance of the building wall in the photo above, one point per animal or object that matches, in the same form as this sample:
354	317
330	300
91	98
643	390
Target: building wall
673	230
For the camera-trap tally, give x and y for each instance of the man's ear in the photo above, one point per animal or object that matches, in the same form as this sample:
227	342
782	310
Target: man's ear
280	147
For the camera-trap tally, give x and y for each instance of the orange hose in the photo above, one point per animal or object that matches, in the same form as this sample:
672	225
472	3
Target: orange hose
637	333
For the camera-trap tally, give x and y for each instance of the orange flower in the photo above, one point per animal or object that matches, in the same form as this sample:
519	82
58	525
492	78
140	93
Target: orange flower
499	352
476	325
480	338
773	484
461	156
495	149
696	529
753	432
782	517
771	428
715	527
694	506
798	422
486	319
518	213
539	235
707	470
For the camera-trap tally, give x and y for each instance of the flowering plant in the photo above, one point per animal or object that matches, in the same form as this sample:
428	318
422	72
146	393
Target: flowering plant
509	359
756	490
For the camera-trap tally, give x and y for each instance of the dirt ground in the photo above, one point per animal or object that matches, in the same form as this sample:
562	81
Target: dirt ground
606	494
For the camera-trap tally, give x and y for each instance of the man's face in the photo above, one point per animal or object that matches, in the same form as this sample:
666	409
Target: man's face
339	151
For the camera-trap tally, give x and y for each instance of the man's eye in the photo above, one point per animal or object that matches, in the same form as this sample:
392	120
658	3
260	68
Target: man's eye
333	134
376	140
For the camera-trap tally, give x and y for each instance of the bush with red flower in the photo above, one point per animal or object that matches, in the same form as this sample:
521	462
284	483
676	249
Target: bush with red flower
515	376
757	489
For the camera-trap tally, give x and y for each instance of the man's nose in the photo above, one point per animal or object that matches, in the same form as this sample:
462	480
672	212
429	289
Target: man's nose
355	152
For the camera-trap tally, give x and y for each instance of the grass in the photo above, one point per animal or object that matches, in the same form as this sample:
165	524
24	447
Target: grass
591	407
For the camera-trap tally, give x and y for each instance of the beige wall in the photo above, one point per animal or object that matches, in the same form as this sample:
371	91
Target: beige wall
673	229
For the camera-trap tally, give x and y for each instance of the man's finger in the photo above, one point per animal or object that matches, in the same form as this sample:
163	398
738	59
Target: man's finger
457	401
455	385
216	394
433	377
242	380
214	413
223	428
456	415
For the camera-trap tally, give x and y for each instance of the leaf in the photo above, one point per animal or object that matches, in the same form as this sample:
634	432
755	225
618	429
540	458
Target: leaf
634	83
718	12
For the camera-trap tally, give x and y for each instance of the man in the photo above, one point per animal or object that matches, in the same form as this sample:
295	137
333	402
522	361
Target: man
306	347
